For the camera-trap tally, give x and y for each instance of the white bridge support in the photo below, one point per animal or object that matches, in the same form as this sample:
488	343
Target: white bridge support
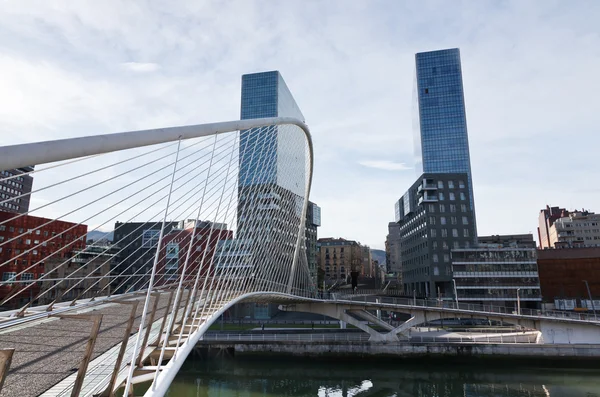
551	330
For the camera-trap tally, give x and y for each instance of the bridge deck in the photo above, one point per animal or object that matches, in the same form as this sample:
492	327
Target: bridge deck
49	351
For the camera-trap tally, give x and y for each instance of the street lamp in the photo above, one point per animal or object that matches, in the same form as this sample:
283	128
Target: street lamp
518	301
590	295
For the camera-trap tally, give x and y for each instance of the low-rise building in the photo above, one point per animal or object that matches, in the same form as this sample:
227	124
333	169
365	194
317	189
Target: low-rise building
500	270
339	257
83	274
563	274
26	244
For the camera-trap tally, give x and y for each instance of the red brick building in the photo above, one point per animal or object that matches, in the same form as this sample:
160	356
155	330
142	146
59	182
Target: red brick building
26	243
174	250
562	271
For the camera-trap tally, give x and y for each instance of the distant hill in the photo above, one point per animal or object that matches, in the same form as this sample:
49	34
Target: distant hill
378	255
97	235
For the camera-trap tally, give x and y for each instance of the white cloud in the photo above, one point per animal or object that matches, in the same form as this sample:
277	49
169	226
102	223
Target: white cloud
384	165
528	88
141	66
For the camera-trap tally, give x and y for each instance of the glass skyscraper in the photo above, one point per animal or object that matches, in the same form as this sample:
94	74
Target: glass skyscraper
281	157
440	123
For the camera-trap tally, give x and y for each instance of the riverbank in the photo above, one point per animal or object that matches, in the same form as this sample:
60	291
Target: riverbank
363	350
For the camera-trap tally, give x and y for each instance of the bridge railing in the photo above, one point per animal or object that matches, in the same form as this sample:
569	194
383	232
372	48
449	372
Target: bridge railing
372	297
182	220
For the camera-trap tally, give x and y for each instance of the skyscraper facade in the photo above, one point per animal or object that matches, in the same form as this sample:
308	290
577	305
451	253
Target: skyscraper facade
440	123
15	190
272	176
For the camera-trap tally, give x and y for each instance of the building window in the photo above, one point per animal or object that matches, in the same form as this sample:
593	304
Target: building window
465	220
446	258
28	242
445	244
9	276
432	220
2	228
37	232
462	196
461	184
453	220
433	233
27	277
441	196
434	245
440	184
442	208
450	184
444	233
452	207
442	220
455	244
463	208
150	238
451	196
465	232
454	232
435	258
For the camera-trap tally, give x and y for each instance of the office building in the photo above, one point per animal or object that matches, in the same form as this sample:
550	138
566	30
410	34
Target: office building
440	122
175	246
271	179
13	184
136	243
497	271
563	273
546	219
339	257
26	243
434	217
313	221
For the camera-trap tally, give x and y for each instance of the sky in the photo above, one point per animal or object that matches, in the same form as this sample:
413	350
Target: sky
530	72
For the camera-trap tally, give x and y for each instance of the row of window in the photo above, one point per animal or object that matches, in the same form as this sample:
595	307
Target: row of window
444	233
11	276
442	208
10	206
9	174
453	220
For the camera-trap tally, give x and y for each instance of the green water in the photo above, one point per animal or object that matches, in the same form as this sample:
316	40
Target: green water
378	378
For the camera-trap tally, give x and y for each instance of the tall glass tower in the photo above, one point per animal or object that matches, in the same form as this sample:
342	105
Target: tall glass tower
440	122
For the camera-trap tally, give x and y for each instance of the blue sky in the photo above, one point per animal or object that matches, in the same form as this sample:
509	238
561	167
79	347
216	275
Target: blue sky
530	73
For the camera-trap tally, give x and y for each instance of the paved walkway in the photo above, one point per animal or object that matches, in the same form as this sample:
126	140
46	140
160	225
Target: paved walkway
50	350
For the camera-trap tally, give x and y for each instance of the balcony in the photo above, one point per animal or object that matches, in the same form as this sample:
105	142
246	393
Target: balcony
428	198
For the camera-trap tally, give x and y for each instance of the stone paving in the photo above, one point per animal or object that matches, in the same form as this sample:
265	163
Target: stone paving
50	350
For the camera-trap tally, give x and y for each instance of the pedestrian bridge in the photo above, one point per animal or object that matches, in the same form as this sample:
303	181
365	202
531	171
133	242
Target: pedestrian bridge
201	218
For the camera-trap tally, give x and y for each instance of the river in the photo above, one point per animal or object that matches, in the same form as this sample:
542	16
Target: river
229	377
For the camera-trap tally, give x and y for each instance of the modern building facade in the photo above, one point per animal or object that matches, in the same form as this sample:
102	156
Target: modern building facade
15	190
313	221
27	243
497	271
136	243
434	217
272	175
562	273
440	121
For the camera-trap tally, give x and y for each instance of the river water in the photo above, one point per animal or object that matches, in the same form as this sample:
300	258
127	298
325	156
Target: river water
229	377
